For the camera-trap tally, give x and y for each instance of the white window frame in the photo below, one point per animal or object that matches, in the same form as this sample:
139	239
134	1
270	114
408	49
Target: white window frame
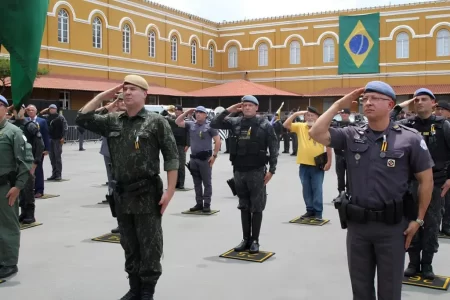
402	45
263	55
97	33
126	39
63	20
294	53
194	53
328	50
211	56
232	57
152	44
174	48
64	98
443	42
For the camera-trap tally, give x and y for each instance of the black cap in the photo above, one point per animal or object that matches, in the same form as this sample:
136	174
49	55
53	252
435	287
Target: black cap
345	111
178	107
313	110
444	105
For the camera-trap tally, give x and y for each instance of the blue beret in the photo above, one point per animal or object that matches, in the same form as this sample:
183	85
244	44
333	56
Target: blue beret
424	91
3	100
53	106
201	109
250	98
381	88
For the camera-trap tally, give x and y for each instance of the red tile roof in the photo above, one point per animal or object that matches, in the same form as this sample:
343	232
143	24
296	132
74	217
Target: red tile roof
94	85
399	90
239	88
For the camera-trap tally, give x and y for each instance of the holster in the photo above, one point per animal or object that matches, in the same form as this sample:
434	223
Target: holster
341	204
202	155
112	205
232	186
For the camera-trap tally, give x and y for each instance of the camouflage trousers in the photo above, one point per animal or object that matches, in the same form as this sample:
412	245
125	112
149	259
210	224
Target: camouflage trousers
141	238
446	217
251	190
426	238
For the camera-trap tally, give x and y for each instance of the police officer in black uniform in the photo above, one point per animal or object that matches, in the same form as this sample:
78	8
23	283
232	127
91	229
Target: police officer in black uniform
252	136
341	163
436	133
381	156
31	132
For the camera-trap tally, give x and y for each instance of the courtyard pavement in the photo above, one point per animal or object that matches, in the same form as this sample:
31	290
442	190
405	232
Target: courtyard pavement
59	261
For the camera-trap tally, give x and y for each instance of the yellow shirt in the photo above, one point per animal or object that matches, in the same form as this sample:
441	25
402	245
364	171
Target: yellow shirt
307	147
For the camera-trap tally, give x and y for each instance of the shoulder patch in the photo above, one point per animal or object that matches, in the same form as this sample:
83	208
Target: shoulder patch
423	145
408	128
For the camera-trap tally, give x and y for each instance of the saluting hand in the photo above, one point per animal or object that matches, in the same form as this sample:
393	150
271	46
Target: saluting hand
111	93
407	102
12	195
347	100
235	108
445	188
410	232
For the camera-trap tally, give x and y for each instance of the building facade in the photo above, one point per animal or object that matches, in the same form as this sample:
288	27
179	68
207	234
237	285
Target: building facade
107	39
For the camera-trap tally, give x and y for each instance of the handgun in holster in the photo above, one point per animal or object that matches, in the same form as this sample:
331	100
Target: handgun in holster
232	186
341	205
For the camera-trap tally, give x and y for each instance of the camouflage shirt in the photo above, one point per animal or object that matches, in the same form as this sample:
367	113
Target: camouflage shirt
223	121
135	144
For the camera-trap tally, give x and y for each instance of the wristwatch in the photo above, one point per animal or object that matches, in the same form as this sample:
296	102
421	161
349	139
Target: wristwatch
215	155
421	222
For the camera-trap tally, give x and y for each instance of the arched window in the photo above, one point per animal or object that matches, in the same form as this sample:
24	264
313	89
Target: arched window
126	38
263	55
443	43
328	50
402	45
294	53
174	48
211	56
232	57
152	44
193	53
63	26
97	33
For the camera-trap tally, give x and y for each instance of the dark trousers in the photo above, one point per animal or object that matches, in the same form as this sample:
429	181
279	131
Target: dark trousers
108	173
81	140
251	190
376	246
141	238
27	201
286	142
341	172
446	217
294	142
426	238
201	174
39	178
181	168
56	157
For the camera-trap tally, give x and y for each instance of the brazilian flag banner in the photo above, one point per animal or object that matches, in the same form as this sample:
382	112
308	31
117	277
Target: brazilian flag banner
359	46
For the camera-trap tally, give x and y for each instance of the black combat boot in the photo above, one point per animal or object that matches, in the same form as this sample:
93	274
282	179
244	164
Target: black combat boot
22	214
135	289
206	208
197	207
256	229
254	247
414	264
427	269
7	271
147	292
115	230
29	215
246	221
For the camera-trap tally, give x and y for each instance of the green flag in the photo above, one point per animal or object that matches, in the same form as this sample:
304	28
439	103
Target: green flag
21	30
359	44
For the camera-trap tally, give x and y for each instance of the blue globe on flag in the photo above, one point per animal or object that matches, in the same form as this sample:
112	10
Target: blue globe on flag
359	44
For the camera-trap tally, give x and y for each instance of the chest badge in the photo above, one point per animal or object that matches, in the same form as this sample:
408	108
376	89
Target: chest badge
357	156
391	163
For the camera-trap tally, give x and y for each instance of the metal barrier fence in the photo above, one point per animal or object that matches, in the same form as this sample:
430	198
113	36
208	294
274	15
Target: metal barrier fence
73	135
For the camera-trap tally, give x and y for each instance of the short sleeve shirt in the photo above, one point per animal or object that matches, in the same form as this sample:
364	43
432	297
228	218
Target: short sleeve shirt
377	176
307	147
201	136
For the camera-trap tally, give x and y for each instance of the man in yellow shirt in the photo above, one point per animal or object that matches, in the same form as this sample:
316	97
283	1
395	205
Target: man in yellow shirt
311	176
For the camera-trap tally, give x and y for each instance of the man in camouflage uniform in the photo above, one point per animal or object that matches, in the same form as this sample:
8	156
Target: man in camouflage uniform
251	138
15	165
135	139
34	138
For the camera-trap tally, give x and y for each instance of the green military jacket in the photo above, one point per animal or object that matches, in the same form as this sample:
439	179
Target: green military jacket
135	144
15	153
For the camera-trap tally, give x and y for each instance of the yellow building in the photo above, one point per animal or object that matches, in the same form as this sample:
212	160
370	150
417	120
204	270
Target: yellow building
107	39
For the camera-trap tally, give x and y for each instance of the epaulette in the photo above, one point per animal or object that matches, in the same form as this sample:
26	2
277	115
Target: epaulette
408	128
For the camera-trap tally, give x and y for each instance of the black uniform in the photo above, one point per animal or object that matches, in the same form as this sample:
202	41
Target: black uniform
182	139
341	163
436	133
249	140
34	138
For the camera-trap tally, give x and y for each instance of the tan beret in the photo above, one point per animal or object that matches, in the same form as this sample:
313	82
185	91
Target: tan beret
137	81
